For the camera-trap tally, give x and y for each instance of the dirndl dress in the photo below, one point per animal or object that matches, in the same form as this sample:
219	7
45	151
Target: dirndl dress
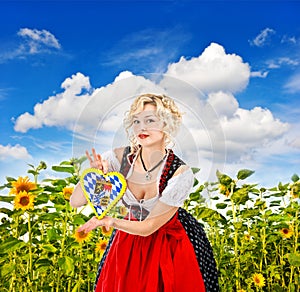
177	257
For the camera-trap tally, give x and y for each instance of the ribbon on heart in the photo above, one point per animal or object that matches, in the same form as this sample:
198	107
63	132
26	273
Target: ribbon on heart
102	191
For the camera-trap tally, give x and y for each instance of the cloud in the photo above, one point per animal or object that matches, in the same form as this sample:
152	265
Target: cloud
17	152
293	85
38	40
33	42
263	38
59	110
289	39
279	62
147	47
213	70
244	130
259	74
214	126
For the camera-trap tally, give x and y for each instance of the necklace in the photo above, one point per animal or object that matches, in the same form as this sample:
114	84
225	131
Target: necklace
148	172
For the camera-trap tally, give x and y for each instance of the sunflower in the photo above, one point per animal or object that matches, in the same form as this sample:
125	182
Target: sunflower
67	192
101	246
247	237
259	280
286	232
123	211
224	190
106	232
241	290
22	184
82	236
24	201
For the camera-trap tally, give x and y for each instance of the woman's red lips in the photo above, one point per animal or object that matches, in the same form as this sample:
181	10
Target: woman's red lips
143	136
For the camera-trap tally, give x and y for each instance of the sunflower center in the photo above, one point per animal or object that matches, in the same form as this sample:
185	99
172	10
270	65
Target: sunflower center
82	234
103	246
24	201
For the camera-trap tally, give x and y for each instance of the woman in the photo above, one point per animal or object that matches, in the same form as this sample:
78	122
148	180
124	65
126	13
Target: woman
158	246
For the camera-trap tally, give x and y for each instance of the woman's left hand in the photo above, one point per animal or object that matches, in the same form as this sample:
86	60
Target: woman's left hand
94	222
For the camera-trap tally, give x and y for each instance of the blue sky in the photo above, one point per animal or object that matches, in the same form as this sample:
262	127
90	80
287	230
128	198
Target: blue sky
69	68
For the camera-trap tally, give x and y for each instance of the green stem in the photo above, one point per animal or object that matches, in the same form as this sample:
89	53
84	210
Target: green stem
236	258
30	273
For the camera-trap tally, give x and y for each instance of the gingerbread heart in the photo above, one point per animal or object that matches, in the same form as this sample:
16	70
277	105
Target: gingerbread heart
102	191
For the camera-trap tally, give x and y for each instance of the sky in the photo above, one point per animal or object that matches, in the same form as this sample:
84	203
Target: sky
69	70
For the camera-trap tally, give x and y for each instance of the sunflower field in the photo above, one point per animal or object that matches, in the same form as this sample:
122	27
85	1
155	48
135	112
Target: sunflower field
254	232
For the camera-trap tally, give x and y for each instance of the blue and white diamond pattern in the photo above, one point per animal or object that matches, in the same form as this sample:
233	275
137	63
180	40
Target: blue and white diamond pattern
90	180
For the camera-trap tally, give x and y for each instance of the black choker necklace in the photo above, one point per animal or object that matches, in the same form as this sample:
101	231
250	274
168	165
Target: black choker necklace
148	172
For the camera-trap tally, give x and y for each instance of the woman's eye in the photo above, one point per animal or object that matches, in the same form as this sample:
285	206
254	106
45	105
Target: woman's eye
135	122
150	121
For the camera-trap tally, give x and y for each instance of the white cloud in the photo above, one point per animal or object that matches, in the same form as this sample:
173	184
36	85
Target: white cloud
17	152
211	123
146	47
33	42
213	70
289	39
259	74
279	62
38	39
261	39
59	110
293	85
245	130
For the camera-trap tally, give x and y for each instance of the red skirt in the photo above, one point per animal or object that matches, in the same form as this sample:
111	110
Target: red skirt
164	261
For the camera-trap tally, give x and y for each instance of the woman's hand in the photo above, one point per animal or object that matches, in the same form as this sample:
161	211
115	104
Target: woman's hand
94	222
96	161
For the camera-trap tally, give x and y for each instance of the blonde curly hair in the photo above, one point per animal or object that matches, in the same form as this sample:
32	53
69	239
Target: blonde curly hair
166	110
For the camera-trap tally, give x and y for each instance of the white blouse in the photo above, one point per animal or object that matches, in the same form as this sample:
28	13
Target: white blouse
174	194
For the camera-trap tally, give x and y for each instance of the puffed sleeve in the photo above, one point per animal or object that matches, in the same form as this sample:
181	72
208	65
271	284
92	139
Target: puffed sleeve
113	162
178	189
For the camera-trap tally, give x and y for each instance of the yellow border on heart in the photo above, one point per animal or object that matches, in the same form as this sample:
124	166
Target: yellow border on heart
113	203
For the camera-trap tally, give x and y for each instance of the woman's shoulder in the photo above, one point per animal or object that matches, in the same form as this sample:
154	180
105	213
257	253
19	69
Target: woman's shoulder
119	152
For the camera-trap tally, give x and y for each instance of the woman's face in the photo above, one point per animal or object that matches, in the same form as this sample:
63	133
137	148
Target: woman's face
148	127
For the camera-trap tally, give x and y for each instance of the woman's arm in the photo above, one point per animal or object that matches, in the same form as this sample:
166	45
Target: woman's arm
77	198
142	228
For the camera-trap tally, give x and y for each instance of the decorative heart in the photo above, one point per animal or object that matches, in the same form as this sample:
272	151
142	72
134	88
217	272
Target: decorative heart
102	191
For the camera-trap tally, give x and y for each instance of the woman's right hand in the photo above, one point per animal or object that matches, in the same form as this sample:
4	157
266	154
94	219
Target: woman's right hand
96	161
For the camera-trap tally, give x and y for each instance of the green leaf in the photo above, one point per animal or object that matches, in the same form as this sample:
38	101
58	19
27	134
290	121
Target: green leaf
7	199
10	179
295	178
67	265
78	219
50	216
42	199
244	173
52	235
11	244
68	169
223	178
195	170
240	196
221	206
7	269
33	172
49	247
294	259
195	182
43	265
215	198
6	211
194	196
259	202
250	213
